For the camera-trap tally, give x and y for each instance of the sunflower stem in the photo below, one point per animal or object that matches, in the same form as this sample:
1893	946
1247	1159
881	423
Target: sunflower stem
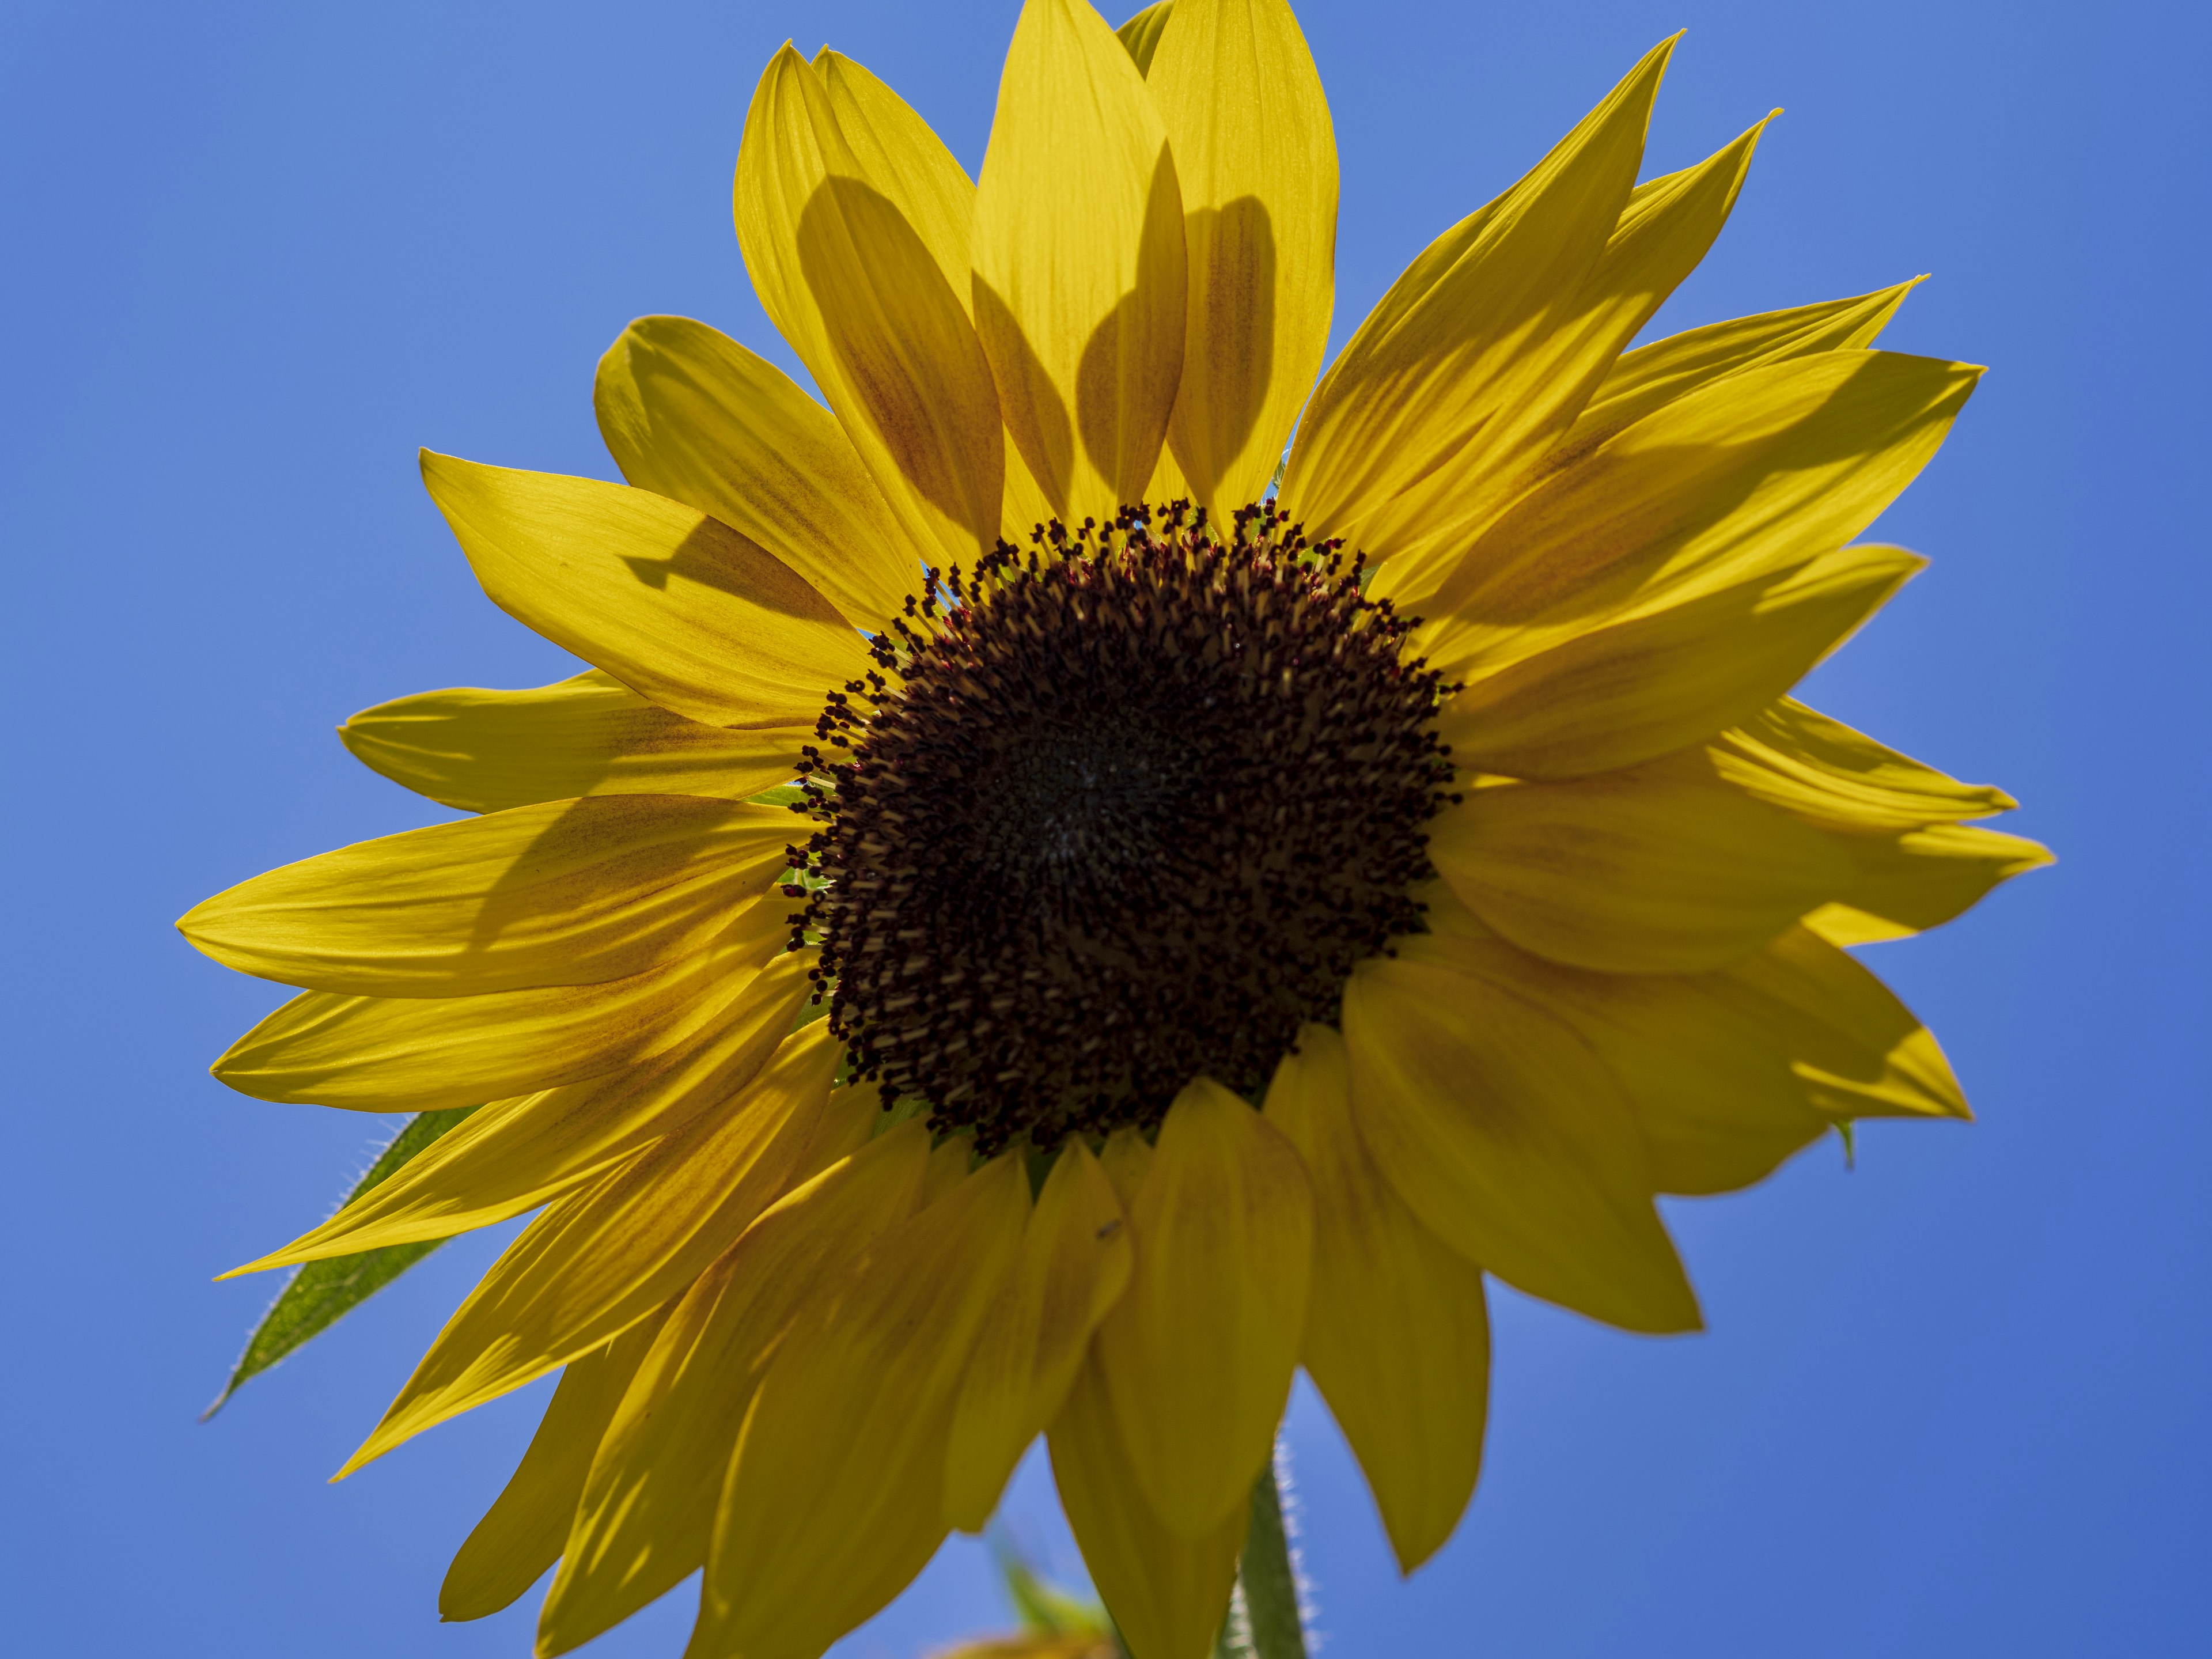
1268	1583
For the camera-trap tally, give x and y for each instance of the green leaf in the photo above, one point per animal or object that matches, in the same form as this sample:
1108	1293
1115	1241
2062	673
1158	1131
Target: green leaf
319	1293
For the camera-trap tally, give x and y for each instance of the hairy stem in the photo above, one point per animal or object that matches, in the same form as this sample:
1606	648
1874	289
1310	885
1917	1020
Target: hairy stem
1264	1623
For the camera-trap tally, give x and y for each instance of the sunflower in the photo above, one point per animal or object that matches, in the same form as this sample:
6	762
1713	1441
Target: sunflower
1034	922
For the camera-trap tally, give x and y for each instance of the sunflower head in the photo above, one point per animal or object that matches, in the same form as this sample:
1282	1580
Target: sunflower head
1097	864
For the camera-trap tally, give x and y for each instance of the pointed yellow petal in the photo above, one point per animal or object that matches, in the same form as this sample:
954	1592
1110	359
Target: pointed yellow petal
1702	1060
1909	883
1198	1353
1079	261
482	751
1510	1140
1652	375
1663	231
573	892
515	1155
1167	1594
420	1054
1467	364
647	1515
677	606
1820	770
1141	35
1634	873
1255	157
1397	1334
596	1263
521	1534
835	1497
1631	690
851	282
689	413
1127	1157
1074	1267
1856	1050
898	154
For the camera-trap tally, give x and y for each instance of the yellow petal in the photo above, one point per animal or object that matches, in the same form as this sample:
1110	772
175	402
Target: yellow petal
1856	1050
836	1497
1167	1594
1754	474
1511	1141
1921	879
481	751
1820	770
1127	1157
520	1535
1397	1334
1198	1353
421	1053
676	605
1649	376
850	282
573	892
1631	690
689	413
1664	229
1141	35
647	1515
1467	363
1074	1266
1701	1060
1634	873
596	1263
897	152
515	1155
1079	261
1255	157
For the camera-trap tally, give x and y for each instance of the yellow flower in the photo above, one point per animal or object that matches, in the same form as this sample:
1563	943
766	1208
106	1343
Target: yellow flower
1115	829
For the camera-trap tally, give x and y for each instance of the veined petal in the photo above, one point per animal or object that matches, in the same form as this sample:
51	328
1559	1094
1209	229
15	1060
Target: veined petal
677	607
1167	1593
1909	883
521	1534
596	1263
1856	1050
573	892
1631	690
1255	157
647	1514
515	1155
689	413
1509	1138
1664	230
1699	1058
482	751
897	153
1074	1266
1397	1335
1752	474
1198	1353
1141	35
423	1054
1649	376
853	285
1459	367
1634	873
1822	771
835	1497
1080	268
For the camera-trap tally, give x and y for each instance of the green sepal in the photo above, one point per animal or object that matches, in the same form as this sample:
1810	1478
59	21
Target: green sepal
319	1293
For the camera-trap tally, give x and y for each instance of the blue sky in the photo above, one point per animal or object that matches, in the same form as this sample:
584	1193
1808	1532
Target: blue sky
1951	1402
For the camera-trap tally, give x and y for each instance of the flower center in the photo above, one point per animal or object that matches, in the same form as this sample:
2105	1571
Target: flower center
1130	812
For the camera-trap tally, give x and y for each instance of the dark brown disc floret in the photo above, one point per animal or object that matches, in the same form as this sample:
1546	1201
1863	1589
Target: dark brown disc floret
1123	808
